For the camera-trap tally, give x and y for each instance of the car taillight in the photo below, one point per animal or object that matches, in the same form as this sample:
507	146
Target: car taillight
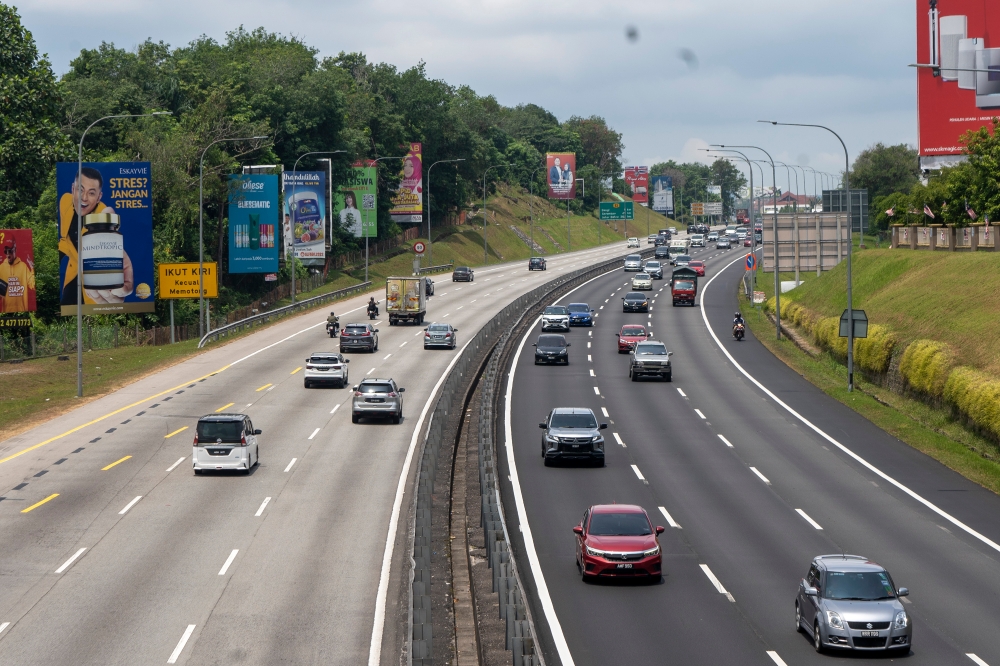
427	335
243	440
393	394
195	441
447	335
309	367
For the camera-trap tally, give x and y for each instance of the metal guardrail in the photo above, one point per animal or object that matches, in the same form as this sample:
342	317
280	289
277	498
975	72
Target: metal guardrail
263	317
440	267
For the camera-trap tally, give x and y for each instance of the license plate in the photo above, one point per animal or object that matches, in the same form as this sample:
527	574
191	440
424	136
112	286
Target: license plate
629	566
374	400
867	634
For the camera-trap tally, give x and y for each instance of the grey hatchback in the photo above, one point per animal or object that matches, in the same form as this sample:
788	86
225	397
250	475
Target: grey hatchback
377	398
849	602
572	433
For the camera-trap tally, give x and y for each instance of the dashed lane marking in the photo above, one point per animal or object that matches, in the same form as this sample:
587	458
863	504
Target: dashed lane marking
761	476
670	520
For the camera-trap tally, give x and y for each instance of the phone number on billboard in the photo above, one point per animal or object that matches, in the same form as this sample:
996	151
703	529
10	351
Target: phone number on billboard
15	322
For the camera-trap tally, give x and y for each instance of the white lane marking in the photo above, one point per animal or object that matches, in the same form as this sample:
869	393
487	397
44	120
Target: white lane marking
404	342
670	519
597	391
4	625
459	308
70	561
315	432
875	470
592	371
683	394
386	357
180	644
715	581
698	412
263	505
588	344
590	334
605	411
761	476
229	560
474	300
370	372
589	360
808	519
607	299
129	506
418	333
172	467
249	404
638	473
335	408
378	626
974	658
728	443
618	439
290	464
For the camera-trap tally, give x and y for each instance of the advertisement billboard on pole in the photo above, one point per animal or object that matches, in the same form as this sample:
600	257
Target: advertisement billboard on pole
955	36
17	272
115	200
663	194
637	178
305	205
355	205
560	170
407	203
253	224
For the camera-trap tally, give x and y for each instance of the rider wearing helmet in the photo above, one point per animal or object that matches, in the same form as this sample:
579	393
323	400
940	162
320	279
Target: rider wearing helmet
332	319
372	306
737	319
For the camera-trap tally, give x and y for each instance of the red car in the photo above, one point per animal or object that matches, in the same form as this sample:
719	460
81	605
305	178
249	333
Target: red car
617	540
748	242
630	335
698	267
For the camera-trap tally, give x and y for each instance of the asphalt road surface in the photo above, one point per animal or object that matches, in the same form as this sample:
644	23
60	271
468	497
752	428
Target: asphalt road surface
114	552
754	492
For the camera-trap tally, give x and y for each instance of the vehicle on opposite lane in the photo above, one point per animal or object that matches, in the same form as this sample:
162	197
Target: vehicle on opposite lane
651	239
633	262
537	264
649	358
325	368
618	541
551	348
580	314
377	398
555	318
747	242
572	433
359	336
633	242
463	274
848	602
635	301
713	236
697	240
630	336
225	442
440	335
642	281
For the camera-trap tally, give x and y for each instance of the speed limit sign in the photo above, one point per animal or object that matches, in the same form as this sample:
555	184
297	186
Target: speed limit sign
419	247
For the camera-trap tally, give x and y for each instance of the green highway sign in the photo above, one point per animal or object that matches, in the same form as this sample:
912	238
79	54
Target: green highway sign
616	210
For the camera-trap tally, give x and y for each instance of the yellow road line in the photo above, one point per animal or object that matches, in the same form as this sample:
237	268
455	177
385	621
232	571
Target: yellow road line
263	387
175	432
38	504
295	370
224	407
105	469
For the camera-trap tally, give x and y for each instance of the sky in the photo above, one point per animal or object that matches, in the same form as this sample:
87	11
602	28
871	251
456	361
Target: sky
694	73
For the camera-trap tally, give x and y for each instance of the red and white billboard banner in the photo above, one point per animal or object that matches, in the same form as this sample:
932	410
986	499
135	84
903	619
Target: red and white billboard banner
561	175
637	178
962	37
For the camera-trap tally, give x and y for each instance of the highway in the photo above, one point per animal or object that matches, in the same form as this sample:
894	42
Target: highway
114	552
749	493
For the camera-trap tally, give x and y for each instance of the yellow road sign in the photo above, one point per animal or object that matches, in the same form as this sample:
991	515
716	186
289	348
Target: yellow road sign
698	209
181	280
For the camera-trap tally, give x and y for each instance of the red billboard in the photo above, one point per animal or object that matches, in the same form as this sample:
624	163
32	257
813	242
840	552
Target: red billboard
962	37
560	173
17	272
637	179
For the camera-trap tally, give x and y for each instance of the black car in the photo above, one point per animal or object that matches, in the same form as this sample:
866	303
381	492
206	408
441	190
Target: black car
635	301
536	264
551	348
661	252
661	240
428	286
462	274
359	336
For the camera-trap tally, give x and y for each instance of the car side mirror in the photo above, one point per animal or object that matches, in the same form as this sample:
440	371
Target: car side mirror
578	530
307	360
660	529
402	390
534	344
541	425
258	431
604	426
569	344
618	335
354	388
670	353
425	328
591	309
811	592
455	329
376	330
649	335
347	360
903	592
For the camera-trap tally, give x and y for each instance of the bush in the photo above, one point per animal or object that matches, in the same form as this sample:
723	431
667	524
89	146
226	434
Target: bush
977	395
769	305
875	352
826	333
926	365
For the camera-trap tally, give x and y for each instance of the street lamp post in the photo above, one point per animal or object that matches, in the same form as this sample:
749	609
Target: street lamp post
584	182
365	226
430	245
753	274
531	211
79	242
486	256
291	205
850	236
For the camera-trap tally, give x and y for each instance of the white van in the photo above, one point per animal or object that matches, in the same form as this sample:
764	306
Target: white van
223	442
678	246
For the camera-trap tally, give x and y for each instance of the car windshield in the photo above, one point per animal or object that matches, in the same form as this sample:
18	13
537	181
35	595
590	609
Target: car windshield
375	388
633	257
683	284
573	421
620	524
683	257
651	349
551	341
438	327
212	431
652	264
579	307
858	586
697	263
634	330
634	296
556	310
641	276
323	359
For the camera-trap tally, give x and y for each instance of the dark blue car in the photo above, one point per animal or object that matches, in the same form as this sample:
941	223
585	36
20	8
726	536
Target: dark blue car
580	314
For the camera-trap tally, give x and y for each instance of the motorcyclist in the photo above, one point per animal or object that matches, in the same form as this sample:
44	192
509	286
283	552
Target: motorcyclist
332	319
372	306
737	319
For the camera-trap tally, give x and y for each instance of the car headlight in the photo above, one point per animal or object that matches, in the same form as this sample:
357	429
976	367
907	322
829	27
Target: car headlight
593	552
651	551
596	439
833	619
902	620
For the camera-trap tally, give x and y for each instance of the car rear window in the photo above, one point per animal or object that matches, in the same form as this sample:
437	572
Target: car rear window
556	310
652	264
462	269
573	421
375	388
683	257
652	349
324	359
633	330
641	276
579	307
697	263
551	341
356	330
212	431
620	524
438	327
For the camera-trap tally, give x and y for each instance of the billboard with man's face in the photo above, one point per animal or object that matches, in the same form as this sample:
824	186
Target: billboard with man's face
963	38
637	178
355	204
560	172
407	203
115	202
17	272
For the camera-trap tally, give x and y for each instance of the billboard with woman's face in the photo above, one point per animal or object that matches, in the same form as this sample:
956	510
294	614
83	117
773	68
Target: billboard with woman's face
355	203
560	173
407	203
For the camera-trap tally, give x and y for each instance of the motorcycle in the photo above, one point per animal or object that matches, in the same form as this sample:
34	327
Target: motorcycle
333	328
738	332
372	312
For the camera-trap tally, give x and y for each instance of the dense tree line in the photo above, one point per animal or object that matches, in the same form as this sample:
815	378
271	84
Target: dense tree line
692	179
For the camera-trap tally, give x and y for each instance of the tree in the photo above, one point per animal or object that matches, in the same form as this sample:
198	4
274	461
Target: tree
883	170
732	181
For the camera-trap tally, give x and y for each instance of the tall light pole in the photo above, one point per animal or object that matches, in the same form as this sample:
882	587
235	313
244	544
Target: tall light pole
291	205
486	256
79	242
584	182
815	188
531	212
329	195
364	226
430	243
850	237
201	230
753	275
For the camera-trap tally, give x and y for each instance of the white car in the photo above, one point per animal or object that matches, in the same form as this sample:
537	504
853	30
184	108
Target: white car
225	442
650	239
555	318
642	282
633	262
633	242
325	368
713	236
697	240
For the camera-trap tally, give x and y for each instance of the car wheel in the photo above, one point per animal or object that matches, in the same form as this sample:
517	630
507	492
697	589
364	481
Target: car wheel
305	384
817	638
536	361
355	418
667	377
197	472
631	375
798	618
599	463
548	461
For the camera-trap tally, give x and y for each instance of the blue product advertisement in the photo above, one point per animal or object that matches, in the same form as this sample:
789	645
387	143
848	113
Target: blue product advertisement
114	200
305	214
253	224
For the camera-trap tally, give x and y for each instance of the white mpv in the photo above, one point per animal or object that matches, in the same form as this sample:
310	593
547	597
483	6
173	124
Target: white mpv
225	441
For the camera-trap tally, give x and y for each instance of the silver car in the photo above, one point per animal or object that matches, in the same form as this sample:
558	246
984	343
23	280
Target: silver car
633	262
572	433
379	399
650	359
440	335
848	602
325	368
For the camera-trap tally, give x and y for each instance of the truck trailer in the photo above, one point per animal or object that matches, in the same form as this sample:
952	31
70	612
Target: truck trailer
406	299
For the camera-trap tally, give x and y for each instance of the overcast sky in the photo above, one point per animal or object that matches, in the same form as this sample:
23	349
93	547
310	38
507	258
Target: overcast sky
841	63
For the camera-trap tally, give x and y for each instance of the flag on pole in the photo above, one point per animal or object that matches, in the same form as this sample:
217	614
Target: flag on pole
969	210
891	211
927	211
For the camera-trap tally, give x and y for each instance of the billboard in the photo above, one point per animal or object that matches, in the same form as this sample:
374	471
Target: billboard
182	281
953	34
663	194
305	210
115	200
17	272
407	203
560	170
637	178
356	203
253	224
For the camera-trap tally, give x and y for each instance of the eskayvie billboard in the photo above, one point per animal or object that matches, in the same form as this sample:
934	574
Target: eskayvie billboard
253	224
115	200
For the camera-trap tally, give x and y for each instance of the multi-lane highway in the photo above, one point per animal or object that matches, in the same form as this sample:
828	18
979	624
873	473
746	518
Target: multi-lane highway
753	471
113	552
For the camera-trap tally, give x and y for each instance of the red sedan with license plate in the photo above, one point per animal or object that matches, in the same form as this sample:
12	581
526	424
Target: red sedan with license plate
629	336
698	267
618	541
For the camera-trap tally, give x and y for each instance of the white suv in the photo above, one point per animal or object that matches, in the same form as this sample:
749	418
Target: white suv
633	242
555	318
697	240
326	368
225	441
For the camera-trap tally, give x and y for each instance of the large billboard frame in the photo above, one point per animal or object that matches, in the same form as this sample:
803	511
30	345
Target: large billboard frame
253	242
17	272
407	202
560	175
307	219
